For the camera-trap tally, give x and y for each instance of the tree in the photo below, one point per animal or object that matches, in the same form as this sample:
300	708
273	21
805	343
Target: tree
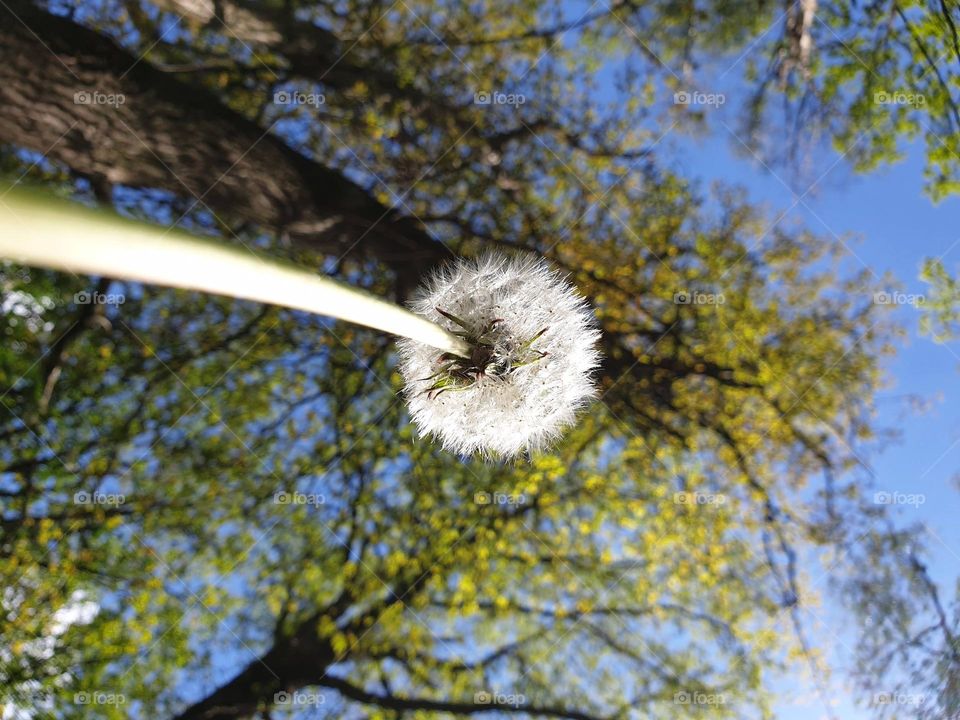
280	528
907	656
866	77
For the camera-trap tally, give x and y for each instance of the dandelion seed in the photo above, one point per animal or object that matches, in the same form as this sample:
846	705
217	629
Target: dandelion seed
533	349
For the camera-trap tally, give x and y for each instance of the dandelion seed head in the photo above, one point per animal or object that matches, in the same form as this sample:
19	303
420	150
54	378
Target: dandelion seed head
532	385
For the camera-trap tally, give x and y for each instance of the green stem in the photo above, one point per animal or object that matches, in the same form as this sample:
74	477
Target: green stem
49	232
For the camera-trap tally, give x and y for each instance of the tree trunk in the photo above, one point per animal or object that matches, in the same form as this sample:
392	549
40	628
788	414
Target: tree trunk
288	665
84	102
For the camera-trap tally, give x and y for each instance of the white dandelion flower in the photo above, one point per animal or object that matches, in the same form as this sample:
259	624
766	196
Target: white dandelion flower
534	348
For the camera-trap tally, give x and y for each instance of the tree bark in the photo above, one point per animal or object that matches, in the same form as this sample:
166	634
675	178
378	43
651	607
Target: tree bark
84	102
288	665
312	52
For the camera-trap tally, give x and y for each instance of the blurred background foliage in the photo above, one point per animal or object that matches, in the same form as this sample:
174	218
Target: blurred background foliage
282	527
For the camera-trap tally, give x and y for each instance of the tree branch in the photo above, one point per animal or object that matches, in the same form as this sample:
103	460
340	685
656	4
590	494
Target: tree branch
392	702
75	96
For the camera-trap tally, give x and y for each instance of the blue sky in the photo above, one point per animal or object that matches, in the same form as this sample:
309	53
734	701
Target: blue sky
894	226
889	226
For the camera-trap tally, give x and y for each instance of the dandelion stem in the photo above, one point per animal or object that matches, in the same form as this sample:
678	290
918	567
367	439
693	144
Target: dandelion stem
57	234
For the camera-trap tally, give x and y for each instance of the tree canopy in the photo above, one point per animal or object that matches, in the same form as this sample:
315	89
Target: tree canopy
214	509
